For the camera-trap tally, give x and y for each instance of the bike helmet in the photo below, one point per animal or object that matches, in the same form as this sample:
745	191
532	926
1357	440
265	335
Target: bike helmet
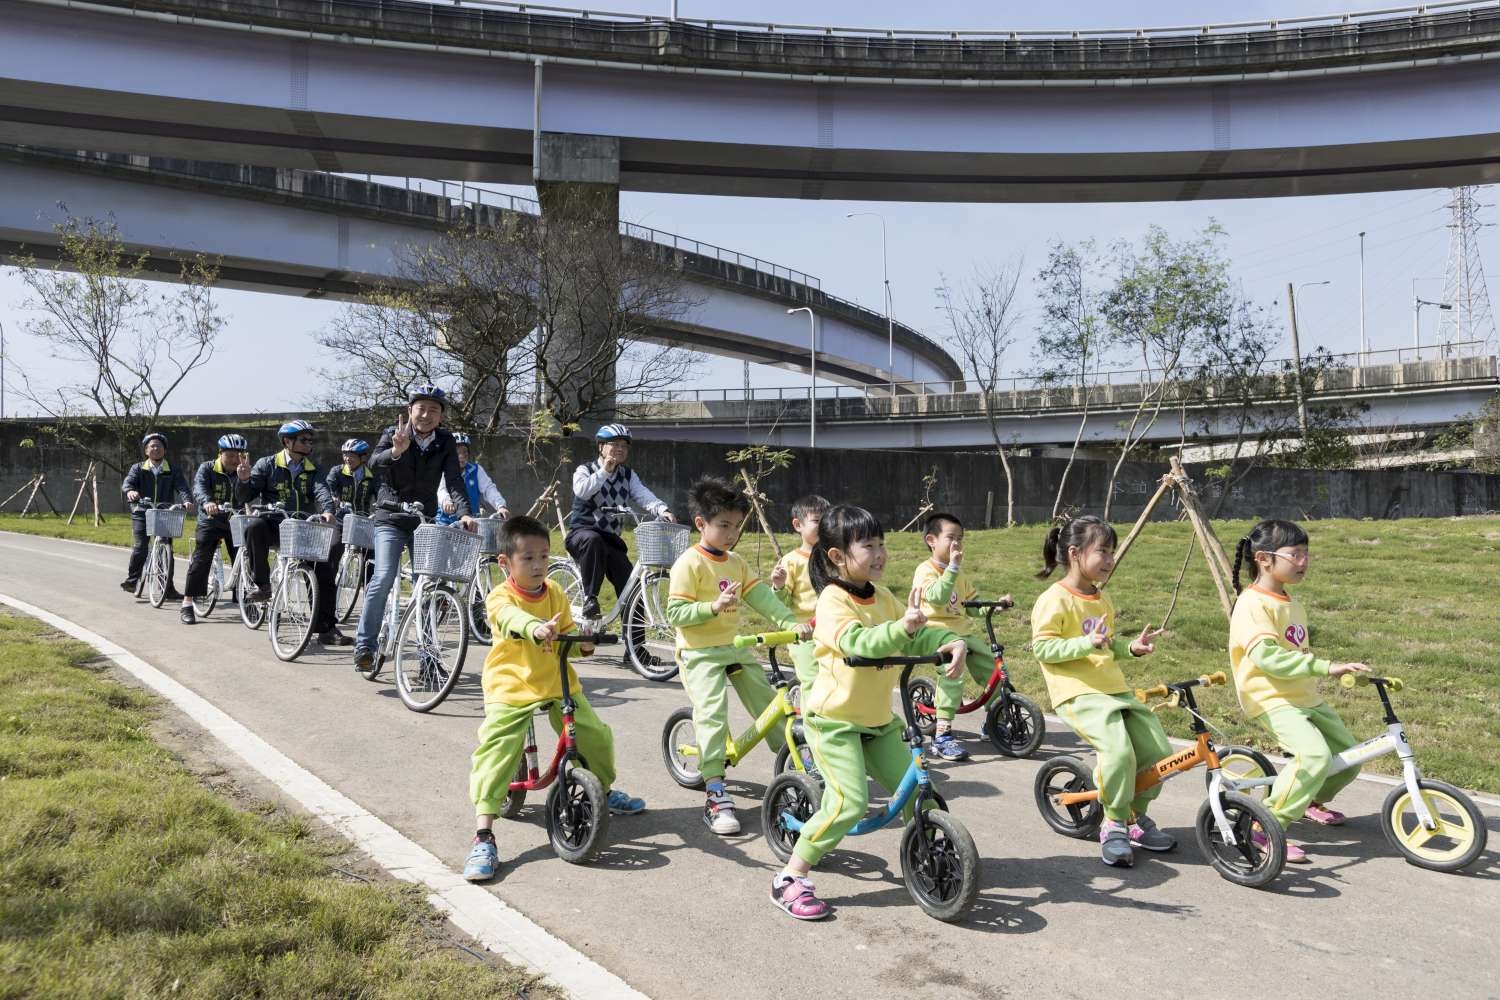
431	392
233	442
294	427
463	439
612	432
157	435
355	445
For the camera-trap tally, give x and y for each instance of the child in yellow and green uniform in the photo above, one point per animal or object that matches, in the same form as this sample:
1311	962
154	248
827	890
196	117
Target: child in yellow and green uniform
847	714
791	582
945	587
1073	638
707	583
520	676
1277	674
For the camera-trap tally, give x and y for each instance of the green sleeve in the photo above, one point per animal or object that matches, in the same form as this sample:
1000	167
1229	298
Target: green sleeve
941	590
683	613
1121	649
763	599
1054	649
974	612
1287	664
511	620
889	639
928	639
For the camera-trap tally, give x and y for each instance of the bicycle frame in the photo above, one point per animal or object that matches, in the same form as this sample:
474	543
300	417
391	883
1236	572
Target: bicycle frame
567	742
780	712
998	677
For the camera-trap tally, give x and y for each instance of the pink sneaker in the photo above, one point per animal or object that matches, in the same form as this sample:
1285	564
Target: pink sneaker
1294	855
795	896
1324	816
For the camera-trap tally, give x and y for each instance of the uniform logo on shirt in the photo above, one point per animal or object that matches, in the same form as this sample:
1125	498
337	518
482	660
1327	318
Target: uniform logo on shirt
1296	635
953	604
723	586
1090	624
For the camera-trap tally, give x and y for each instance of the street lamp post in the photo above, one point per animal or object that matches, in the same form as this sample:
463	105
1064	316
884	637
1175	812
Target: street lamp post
2	371
1291	294
812	390
1364	342
885	273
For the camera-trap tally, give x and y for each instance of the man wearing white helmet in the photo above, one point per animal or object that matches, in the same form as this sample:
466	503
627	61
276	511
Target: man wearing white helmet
594	539
214	487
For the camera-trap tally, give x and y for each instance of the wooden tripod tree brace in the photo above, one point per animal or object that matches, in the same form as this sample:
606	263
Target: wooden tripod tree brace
755	499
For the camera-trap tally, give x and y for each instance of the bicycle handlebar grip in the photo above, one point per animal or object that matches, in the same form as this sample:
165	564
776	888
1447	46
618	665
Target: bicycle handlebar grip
1143	694
1395	683
766	639
936	659
1352	680
1214	679
589	639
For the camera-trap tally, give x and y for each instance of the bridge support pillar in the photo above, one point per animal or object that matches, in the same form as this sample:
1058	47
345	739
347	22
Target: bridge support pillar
579	189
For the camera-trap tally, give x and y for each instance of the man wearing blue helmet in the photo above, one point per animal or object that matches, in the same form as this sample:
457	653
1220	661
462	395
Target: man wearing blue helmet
290	477
214	487
411	459
151	481
593	538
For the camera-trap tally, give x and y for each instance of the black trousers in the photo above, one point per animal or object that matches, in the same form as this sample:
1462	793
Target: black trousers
260	535
140	545
209	536
599	554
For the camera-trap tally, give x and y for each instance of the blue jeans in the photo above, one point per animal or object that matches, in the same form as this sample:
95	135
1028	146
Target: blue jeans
389	541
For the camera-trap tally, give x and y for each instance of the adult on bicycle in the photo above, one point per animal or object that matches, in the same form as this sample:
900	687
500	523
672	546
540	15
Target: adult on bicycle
214	487
593	538
412	458
478	487
151	481
290	477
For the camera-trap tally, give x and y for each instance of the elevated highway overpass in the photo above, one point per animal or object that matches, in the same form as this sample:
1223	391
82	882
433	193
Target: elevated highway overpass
1391	99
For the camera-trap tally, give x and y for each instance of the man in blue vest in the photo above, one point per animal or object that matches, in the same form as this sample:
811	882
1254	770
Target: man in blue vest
151	481
478	487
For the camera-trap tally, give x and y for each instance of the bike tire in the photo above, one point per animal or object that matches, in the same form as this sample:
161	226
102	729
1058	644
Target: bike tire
577	815
1015	725
1244	762
940	865
159	568
1460	825
294	609
564	573
425	674
1067	774
515	799
789	793
348	584
647	633
922	692
1245	862
251	613
476	601
204	606
677	732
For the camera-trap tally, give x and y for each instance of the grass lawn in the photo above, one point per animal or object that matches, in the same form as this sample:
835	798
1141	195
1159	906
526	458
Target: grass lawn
1394	594
122	876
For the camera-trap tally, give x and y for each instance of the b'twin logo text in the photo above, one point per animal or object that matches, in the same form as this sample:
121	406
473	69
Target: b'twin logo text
1296	635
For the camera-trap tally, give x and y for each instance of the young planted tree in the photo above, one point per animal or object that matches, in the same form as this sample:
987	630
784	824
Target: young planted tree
1072	340
129	345
982	320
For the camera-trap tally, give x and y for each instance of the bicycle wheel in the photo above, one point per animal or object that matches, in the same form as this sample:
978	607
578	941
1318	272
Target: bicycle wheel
1244	862
1067	774
790	795
390	627
802	763
923	692
940	865
347	584
487	576
577	815
516	797
679	749
251	613
1458	838
294	608
565	574
1015	725
158	570
650	643
430	649
1245	763
204	606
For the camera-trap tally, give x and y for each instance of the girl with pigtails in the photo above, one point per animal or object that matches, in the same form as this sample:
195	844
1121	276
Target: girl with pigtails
1276	675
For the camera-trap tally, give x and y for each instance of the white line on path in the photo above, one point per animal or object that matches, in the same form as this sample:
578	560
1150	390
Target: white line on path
474	910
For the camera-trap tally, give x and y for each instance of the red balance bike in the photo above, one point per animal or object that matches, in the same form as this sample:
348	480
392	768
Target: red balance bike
578	805
1013	723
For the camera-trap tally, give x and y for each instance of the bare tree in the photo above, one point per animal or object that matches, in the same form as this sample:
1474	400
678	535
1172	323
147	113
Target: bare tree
130	346
982	320
1072	340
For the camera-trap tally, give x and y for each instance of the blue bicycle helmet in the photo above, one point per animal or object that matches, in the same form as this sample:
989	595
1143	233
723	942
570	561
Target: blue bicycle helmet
431	392
356	446
612	432
463	439
156	435
294	427
233	442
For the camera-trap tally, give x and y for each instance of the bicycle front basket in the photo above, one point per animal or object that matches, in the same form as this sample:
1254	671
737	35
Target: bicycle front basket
359	531
489	535
310	540
162	523
445	553
237	525
659	543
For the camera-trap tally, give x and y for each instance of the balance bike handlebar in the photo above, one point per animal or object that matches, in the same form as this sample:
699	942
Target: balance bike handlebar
1001	605
1359	680
1163	690
935	659
773	639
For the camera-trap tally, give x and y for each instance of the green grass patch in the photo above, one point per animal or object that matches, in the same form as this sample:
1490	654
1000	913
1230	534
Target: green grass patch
114	531
122	876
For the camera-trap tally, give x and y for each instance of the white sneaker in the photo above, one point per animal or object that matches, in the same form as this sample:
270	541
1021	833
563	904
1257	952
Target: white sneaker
718	814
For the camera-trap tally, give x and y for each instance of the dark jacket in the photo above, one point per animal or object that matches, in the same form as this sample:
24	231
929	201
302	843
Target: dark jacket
343	488
164	486
414	477
274	480
211	484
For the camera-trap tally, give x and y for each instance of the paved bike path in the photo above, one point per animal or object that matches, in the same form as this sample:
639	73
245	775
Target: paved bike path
680	913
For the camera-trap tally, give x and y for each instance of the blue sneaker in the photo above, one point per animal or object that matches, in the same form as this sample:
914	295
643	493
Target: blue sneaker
484	860
948	748
622	804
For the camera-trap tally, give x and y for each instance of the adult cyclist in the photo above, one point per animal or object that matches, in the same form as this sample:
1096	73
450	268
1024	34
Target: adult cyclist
290	477
412	458
478	487
593	538
151	481
214	487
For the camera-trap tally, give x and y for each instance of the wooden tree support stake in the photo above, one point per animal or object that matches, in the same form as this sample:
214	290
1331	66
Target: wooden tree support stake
83	483
922	512
98	517
755	498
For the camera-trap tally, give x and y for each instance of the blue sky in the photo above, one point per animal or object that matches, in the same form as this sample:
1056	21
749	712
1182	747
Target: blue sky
1270	242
